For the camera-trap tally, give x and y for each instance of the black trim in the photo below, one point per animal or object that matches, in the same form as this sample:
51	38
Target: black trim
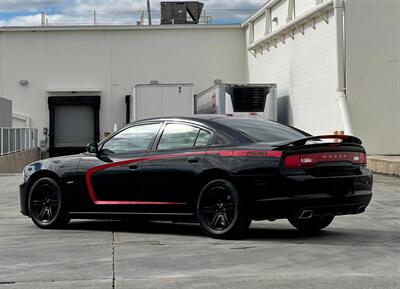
128	108
132	213
53	101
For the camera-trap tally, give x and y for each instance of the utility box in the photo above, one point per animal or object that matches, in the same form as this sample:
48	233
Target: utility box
5	112
181	12
246	100
158	100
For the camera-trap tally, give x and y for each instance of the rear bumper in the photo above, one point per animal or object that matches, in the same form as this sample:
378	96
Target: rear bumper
324	196
320	204
22	199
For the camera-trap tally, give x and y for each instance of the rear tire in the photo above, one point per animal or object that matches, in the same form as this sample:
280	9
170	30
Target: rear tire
312	225
46	205
221	211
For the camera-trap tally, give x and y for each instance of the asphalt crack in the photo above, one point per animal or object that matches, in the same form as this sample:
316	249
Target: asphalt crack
7	282
113	261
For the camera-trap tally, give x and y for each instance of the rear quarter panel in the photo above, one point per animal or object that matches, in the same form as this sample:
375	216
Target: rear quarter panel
250	168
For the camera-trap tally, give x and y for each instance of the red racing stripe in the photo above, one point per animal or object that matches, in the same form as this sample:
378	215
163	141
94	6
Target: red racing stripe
221	153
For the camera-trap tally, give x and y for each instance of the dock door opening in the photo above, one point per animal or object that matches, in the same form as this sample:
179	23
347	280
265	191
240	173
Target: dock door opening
74	122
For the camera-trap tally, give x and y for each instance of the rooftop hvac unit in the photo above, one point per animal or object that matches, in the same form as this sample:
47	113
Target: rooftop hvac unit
181	12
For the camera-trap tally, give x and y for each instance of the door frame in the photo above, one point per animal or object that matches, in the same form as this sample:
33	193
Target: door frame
53	101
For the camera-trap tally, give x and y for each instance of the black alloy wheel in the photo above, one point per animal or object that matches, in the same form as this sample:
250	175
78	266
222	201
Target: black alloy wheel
221	212
46	205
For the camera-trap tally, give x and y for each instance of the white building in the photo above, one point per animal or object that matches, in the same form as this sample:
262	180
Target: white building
293	43
38	64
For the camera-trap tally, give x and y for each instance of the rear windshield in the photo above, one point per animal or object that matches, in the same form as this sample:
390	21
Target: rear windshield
262	130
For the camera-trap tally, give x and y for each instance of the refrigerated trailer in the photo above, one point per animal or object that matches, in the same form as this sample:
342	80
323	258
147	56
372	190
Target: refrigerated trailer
252	100
157	100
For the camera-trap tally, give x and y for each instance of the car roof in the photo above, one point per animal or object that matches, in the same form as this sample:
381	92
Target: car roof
206	119
188	117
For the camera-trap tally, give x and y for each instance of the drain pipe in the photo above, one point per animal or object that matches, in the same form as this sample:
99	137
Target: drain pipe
341	77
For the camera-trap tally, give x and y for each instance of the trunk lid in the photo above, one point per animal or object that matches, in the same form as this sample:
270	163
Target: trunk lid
323	156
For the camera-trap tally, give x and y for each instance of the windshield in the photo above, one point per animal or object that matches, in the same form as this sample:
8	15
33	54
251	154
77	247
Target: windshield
263	130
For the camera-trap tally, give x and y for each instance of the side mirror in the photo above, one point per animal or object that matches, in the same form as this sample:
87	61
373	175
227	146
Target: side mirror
92	148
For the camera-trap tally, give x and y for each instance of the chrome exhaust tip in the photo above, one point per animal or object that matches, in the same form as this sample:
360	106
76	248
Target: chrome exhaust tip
306	214
361	209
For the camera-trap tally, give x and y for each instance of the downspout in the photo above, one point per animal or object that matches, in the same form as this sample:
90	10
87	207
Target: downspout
341	76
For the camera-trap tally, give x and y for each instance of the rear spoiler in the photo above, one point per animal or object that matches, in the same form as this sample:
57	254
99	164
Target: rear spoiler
348	139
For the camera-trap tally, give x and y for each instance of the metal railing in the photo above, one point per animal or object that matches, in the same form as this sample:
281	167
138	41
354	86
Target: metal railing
17	139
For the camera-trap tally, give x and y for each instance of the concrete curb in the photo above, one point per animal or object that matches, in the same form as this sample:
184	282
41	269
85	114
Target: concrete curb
15	162
387	165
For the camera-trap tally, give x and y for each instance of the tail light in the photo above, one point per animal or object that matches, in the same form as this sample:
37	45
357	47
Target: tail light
308	160
292	162
363	159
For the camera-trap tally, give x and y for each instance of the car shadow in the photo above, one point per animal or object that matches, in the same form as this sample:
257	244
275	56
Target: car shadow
281	233
148	227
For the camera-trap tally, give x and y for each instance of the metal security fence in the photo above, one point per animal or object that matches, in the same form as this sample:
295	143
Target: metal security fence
17	139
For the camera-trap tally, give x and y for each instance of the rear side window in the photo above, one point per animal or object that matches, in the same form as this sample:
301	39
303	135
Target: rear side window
203	138
262	131
178	136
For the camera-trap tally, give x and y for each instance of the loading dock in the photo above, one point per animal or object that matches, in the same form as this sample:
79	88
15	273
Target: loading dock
74	122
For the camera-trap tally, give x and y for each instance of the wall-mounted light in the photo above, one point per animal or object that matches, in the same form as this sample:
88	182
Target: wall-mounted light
275	19
23	82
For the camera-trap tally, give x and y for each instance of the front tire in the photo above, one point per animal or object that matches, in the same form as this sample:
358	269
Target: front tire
311	225
221	211
46	204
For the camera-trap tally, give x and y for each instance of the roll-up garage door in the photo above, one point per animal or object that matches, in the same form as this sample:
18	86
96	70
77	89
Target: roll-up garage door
74	123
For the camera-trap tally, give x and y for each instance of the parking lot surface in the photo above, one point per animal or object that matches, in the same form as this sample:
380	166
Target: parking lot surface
361	251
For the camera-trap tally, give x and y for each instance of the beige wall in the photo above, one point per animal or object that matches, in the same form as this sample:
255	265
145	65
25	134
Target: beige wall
373	72
113	61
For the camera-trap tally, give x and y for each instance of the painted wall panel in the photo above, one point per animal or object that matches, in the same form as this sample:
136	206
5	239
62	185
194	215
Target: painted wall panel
113	61
373	72
5	112
280	12
304	70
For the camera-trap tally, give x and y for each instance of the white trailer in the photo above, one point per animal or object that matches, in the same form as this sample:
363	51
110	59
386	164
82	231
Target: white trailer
157	100
253	100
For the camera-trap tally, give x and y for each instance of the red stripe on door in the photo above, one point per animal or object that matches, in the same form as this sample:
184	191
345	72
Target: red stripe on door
221	153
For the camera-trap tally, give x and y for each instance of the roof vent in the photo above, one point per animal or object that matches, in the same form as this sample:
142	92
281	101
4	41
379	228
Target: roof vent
181	12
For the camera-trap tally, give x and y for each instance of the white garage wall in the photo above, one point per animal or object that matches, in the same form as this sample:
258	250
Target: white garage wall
304	70
112	60
373	72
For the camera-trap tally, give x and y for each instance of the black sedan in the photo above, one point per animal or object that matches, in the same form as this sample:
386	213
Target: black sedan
220	171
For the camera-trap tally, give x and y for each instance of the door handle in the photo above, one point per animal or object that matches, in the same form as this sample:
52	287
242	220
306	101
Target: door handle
193	159
134	166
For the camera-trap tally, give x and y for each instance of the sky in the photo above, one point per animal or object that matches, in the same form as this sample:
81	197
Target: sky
111	12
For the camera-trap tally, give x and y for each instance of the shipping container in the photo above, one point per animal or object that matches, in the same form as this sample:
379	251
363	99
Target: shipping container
253	100
157	100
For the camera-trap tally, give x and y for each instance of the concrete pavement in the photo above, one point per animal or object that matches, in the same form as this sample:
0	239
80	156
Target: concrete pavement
360	251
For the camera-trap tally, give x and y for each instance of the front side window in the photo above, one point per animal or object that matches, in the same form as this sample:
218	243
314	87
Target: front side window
178	136
134	138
